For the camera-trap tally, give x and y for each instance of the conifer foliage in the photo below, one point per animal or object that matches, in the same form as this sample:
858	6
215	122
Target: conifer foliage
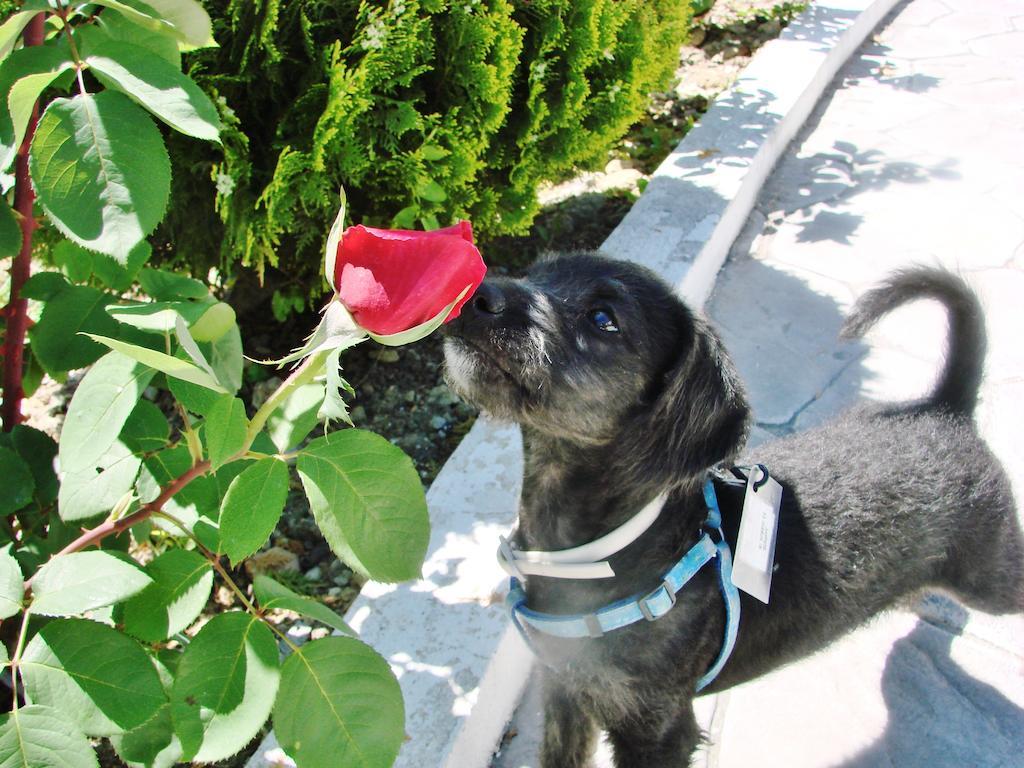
426	111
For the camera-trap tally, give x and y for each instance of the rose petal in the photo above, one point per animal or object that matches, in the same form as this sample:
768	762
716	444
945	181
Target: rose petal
420	273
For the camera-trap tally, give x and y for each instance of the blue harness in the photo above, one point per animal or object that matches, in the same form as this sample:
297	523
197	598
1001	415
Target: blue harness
653	605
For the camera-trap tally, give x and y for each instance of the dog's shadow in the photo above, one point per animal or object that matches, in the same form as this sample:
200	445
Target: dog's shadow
940	715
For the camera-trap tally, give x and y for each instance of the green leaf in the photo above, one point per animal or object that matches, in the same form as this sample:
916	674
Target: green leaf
172	366
368	501
11	31
252	507
225	686
169	286
96	488
213	323
226	428
181	586
104	400
18	483
41	737
155	316
195	500
186	19
146	429
162	43
26	62
12	587
38	450
44	286
296	417
101	171
432	153
98	678
10	232
152	745
432	191
72	584
79	264
351	709
272	595
405	218
196	399
56	338
156	85
21	101
226	359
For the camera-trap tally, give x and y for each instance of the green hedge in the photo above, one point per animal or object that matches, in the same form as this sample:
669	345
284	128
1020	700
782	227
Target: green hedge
425	111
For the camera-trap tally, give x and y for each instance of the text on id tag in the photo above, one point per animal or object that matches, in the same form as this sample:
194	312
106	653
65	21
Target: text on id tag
759	525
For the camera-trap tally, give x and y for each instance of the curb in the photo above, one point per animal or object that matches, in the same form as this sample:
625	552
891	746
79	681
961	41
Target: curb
461	667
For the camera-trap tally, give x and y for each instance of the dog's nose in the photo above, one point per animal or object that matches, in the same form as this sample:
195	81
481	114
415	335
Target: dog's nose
489	299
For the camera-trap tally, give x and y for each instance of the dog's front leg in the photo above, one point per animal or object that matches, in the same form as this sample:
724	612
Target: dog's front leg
656	740
570	734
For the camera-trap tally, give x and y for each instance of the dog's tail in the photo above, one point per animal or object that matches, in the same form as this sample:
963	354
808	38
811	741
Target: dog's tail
957	389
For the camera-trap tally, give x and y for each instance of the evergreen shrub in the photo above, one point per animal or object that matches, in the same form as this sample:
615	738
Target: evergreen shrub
425	111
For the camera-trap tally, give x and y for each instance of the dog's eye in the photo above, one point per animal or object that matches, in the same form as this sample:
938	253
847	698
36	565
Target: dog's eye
604	320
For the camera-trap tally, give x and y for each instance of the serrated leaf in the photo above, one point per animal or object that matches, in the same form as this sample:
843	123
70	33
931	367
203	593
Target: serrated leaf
169	286
252	507
72	584
296	417
195	399
273	595
115	26
146	429
56	339
226	428
102	404
41	737
368	501
214	322
152	745
96	488
21	101
26	62
12	587
225	687
172	366
44	286
10	232
97	677
101	171
38	450
195	500
182	581
18	483
352	711
186	19
156	85
155	316
12	30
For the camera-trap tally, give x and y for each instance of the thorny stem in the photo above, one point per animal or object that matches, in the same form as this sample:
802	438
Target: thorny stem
21	265
305	373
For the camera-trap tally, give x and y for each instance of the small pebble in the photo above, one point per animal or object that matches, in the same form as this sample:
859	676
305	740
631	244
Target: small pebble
314	573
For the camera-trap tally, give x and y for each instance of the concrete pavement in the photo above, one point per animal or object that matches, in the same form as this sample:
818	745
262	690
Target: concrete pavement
917	155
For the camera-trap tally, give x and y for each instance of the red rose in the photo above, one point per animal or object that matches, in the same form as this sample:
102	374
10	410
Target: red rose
392	280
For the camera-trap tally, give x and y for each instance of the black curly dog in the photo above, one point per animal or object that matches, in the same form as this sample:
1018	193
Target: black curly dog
623	393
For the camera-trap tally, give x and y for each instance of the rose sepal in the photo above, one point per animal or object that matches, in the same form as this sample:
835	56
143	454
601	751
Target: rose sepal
420	331
336	330
333	240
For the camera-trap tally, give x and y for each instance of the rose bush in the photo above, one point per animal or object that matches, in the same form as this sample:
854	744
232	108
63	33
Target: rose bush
393	280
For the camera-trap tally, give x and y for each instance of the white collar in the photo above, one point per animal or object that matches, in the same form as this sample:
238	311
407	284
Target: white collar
587	561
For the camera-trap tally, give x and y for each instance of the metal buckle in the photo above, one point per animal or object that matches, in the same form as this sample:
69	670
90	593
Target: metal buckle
642	602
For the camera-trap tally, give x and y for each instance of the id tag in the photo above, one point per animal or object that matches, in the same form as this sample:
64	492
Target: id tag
759	525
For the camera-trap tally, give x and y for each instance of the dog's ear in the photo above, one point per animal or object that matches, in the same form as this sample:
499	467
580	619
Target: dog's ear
697	417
